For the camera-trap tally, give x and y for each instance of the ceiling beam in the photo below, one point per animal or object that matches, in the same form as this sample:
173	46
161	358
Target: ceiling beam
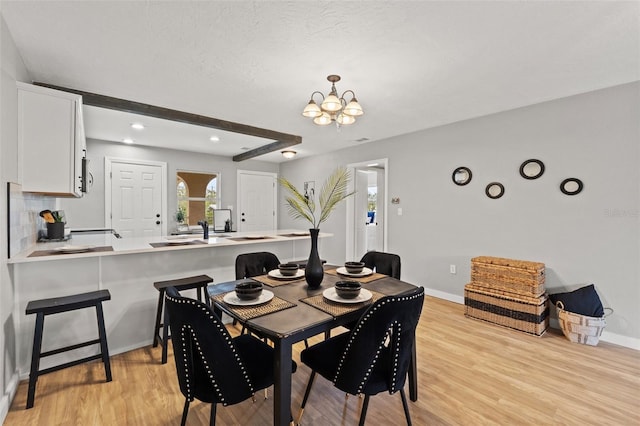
282	140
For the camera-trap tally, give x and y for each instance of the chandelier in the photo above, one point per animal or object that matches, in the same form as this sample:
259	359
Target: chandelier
333	108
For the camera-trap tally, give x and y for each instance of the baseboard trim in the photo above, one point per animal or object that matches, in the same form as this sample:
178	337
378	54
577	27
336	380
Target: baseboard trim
607	336
446	296
7	398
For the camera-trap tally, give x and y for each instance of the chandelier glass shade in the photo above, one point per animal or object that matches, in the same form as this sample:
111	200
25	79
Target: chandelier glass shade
333	108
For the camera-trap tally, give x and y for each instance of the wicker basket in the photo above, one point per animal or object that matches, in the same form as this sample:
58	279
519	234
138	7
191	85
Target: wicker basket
523	313
510	275
581	328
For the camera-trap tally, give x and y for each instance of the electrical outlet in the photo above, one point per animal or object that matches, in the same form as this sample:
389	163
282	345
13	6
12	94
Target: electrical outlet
399	211
452	269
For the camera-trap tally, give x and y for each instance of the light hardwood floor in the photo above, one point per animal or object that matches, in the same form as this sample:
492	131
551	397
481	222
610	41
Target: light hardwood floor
470	373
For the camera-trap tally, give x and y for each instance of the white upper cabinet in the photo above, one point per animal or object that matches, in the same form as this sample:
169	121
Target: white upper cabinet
51	141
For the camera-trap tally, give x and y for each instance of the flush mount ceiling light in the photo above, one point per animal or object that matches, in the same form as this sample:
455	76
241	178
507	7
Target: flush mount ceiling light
288	154
333	108
137	126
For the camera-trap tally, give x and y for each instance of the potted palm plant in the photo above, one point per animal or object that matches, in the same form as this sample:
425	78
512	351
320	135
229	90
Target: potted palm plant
301	206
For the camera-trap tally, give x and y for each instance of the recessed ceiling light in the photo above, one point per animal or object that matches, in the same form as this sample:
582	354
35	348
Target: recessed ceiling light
127	140
137	126
214	139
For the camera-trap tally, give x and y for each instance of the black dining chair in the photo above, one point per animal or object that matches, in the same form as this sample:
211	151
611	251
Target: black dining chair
253	264
211	366
383	263
375	356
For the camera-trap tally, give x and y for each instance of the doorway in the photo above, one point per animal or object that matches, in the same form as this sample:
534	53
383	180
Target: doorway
135	200
257	202
367	210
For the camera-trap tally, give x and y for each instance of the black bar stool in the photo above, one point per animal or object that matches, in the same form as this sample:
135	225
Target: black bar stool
58	305
199	282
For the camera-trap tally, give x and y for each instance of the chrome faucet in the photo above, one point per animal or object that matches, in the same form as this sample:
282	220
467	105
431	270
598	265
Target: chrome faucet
205	228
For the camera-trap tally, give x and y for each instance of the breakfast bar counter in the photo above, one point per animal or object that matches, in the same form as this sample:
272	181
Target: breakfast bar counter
126	267
91	245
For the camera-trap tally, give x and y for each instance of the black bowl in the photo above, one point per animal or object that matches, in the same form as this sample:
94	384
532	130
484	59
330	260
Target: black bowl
288	269
348	289
354	267
248	290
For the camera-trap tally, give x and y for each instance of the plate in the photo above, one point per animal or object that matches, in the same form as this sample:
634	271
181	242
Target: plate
255	237
331	294
300	234
365	272
232	299
277	275
73	249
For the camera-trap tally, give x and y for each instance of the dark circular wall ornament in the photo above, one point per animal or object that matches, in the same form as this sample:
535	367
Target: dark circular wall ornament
494	190
571	186
532	169
461	176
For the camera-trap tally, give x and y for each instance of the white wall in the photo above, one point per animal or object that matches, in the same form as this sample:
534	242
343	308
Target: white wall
88	211
593	237
12	69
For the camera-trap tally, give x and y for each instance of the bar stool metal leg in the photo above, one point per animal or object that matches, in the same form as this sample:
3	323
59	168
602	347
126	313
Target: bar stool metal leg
156	329
165	336
35	359
103	342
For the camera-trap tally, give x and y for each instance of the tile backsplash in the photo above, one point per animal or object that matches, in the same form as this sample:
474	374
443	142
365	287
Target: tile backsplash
24	220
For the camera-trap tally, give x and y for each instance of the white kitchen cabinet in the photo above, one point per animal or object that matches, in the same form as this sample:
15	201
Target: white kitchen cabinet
51	141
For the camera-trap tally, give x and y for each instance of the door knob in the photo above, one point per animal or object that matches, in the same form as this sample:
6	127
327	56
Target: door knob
243	220
158	215
242	214
157	222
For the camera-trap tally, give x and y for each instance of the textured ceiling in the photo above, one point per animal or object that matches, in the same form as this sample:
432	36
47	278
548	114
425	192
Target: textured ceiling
413	65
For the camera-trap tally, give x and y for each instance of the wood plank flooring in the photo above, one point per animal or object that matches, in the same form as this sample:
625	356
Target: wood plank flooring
470	373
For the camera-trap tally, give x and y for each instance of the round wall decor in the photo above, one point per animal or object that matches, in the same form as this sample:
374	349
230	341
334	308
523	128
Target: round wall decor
494	190
461	176
532	169
571	186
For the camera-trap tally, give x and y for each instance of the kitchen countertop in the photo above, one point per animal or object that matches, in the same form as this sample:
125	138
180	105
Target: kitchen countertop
125	245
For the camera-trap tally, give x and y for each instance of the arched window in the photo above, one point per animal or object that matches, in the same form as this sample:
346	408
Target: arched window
182	215
197	195
211	199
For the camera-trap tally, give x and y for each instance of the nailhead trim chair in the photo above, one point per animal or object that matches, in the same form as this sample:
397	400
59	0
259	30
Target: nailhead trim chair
197	282
211	365
375	356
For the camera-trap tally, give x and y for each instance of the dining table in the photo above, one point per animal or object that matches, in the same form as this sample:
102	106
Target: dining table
295	312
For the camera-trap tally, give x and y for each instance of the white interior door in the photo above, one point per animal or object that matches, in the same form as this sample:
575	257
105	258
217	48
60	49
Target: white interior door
355	206
256	201
137	203
360	219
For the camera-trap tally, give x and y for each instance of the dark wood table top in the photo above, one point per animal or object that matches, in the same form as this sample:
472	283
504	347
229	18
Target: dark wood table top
303	320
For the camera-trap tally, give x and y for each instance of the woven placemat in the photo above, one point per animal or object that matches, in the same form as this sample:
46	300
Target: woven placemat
250	238
177	243
56	253
249	312
336	309
272	282
367	279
